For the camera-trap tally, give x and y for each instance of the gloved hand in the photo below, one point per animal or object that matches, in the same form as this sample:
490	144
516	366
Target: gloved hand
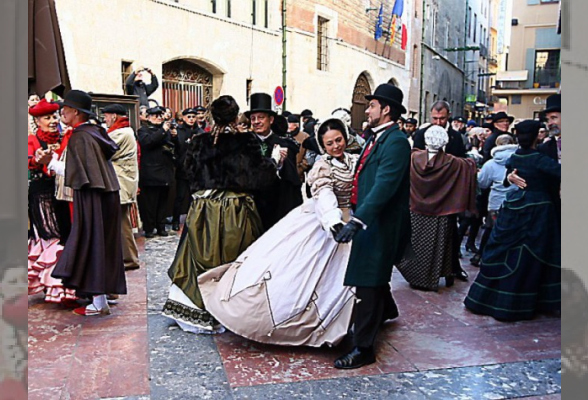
335	229
349	230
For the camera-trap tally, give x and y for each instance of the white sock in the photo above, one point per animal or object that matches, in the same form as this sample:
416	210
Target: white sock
100	302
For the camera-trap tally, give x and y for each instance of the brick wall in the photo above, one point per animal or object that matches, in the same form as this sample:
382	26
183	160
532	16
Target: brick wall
355	25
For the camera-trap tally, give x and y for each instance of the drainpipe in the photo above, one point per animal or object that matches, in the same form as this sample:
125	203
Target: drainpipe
284	54
463	68
422	61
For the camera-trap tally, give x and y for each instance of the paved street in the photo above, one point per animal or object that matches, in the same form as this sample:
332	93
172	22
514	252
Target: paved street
435	349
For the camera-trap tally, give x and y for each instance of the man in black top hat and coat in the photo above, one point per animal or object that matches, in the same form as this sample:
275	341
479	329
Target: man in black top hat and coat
182	140
501	122
380	228
92	259
285	194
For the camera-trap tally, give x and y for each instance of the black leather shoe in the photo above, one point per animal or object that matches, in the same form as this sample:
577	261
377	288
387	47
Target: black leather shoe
357	358
471	248
475	260
175	226
449	281
162	233
149	235
462	275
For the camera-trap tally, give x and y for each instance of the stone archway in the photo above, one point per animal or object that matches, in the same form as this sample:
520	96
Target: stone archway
359	103
186	84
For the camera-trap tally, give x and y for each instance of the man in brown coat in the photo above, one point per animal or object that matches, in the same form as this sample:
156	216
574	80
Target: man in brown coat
92	261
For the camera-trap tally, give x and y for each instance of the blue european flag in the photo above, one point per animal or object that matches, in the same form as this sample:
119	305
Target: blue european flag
379	30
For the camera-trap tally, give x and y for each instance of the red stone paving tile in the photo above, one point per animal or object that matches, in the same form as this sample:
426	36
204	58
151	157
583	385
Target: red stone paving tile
45	393
110	365
118	322
249	363
418	313
48	376
535	339
450	348
75	357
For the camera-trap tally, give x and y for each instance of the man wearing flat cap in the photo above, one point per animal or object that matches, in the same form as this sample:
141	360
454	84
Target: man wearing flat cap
410	126
380	227
156	171
182	141
201	118
92	260
127	171
285	194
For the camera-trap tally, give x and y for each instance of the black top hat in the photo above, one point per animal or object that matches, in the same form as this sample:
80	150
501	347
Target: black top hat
260	102
389	94
114	109
528	126
79	100
502	115
553	104
412	121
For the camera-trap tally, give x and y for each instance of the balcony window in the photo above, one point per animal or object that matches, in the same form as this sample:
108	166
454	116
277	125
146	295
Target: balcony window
547	69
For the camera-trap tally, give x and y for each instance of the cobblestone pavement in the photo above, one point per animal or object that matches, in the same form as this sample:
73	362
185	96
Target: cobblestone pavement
435	350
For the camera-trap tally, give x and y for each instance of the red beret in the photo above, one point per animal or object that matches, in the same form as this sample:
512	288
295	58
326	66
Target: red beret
43	108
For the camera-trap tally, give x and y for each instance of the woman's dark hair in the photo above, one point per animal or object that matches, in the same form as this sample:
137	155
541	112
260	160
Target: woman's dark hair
328	125
224	110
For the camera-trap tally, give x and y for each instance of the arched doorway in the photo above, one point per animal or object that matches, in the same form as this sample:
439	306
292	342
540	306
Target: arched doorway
186	84
359	104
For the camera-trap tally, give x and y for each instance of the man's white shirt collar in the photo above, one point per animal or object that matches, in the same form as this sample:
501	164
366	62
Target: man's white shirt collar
381	128
264	138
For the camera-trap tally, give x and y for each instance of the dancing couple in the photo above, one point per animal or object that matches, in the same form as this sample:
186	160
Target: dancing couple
302	282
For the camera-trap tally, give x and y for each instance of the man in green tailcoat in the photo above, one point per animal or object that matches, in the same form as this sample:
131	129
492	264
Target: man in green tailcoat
380	227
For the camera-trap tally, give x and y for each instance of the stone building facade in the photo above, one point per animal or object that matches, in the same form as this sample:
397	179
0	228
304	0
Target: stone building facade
200	49
443	57
533	70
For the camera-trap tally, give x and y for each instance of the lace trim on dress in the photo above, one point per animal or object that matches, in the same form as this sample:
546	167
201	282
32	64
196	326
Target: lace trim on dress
201	318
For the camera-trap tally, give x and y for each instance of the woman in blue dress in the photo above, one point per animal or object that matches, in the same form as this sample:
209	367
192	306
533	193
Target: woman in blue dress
520	274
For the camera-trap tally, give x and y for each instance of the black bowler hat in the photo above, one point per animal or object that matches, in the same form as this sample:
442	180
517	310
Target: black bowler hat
389	94
553	104
293	119
260	102
502	115
528	126
79	100
412	121
114	109
155	110
306	113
